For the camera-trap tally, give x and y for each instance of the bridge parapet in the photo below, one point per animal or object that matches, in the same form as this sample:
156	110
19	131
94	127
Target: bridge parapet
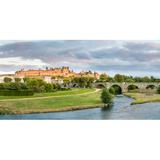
124	86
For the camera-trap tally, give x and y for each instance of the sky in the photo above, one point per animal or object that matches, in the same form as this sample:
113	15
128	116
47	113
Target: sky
136	58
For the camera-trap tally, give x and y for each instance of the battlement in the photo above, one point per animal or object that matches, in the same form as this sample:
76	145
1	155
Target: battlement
54	72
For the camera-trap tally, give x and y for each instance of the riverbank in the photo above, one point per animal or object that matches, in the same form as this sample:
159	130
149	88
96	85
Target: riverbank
89	99
140	98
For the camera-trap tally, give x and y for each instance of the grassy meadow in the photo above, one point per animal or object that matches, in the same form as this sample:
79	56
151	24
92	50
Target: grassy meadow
143	97
58	101
50	94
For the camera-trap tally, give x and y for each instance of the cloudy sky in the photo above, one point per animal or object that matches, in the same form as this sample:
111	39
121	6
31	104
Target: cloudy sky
126	57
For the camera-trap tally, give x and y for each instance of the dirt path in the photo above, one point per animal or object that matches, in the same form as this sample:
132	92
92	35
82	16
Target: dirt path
22	99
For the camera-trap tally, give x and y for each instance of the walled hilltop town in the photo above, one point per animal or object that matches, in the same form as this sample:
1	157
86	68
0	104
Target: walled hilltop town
49	75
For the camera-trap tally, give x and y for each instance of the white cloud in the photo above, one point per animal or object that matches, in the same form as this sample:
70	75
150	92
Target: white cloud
4	72
19	61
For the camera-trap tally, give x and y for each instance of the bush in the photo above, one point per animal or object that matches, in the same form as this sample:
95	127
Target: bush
106	97
48	87
158	90
112	91
65	89
16	93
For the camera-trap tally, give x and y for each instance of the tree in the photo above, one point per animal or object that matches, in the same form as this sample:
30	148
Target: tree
66	81
110	79
7	79
14	86
119	78
103	77
106	97
2	86
49	87
83	81
90	80
112	91
146	79
158	90
26	79
33	85
17	80
23	86
58	86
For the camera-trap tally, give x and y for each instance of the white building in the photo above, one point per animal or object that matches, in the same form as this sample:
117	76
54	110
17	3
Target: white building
59	81
47	79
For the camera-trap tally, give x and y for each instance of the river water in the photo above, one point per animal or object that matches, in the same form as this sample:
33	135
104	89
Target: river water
120	110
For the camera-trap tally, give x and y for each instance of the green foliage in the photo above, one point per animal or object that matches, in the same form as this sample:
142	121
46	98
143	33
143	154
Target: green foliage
48	87
7	79
25	79
119	78
2	86
158	90
112	90
66	80
16	93
17	80
52	104
103	77
83	82
37	85
130	79
106	97
13	86
117	89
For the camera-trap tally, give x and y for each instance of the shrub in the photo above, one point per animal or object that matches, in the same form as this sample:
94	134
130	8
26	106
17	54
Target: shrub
106	97
158	90
2	86
112	90
16	93
48	87
17	80
65	89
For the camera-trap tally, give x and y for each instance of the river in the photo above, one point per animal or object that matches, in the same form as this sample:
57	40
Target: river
121	109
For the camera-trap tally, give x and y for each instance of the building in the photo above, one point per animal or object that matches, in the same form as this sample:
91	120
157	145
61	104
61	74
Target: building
52	72
52	75
94	75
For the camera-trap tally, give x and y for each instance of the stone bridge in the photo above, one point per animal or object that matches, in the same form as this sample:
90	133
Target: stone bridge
124	86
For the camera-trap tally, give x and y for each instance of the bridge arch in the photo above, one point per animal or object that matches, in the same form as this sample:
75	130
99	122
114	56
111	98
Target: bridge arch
117	88
132	87
75	85
100	86
151	86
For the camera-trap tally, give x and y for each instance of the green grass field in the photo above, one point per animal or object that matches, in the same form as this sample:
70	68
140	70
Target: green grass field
57	93
143	98
77	99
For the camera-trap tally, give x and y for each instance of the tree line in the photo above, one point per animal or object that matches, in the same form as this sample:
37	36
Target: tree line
125	78
32	84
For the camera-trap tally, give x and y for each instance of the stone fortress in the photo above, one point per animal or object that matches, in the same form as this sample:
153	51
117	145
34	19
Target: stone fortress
50	75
